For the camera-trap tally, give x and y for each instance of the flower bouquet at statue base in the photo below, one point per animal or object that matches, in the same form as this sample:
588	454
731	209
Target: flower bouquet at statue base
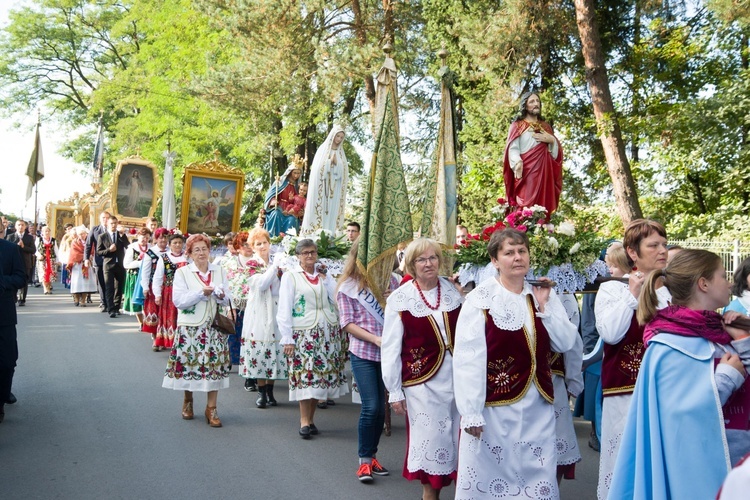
559	251
332	250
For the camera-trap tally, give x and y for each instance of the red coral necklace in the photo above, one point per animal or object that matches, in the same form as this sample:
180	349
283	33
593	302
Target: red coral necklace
424	299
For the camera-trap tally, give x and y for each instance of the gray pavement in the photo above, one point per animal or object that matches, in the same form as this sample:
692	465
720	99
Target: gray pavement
92	421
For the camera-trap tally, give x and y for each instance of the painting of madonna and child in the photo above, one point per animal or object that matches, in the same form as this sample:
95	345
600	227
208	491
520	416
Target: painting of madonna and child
213	206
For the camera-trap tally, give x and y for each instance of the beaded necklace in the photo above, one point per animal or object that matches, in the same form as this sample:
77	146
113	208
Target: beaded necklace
424	299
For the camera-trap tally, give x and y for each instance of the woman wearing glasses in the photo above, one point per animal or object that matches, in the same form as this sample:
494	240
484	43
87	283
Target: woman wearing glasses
417	364
311	336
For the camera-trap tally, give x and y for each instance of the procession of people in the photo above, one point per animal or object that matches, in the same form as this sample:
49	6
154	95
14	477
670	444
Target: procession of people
483	378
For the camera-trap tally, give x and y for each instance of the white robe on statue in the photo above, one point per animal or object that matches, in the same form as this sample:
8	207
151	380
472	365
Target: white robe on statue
326	193
516	454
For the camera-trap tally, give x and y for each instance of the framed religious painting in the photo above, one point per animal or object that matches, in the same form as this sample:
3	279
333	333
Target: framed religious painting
211	198
135	190
59	214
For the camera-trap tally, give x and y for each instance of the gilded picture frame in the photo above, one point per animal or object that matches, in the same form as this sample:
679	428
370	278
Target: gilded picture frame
134	191
211	198
59	214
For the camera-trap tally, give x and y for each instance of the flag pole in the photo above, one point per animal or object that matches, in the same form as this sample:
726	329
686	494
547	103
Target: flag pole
36	184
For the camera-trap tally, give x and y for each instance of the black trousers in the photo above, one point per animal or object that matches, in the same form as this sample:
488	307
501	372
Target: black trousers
114	284
22	292
8	358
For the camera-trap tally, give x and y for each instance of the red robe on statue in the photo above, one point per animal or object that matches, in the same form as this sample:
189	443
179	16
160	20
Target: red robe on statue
541	180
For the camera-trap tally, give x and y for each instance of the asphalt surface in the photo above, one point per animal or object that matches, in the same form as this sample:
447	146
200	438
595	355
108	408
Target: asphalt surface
93	422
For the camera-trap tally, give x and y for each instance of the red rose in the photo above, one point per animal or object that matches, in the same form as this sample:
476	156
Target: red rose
501	201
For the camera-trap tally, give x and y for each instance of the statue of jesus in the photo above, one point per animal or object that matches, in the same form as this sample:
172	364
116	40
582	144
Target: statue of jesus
532	167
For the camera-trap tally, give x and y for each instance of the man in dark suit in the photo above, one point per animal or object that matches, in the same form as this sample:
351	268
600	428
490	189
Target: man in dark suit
6	228
25	243
111	247
90	251
12	277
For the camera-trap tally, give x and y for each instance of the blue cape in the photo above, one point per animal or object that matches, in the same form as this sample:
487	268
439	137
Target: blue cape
674	444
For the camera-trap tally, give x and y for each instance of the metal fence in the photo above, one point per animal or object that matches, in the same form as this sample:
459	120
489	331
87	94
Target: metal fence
732	252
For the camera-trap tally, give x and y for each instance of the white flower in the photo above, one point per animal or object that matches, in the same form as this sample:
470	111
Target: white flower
497	209
550	228
574	248
538	208
218	235
553	244
567	229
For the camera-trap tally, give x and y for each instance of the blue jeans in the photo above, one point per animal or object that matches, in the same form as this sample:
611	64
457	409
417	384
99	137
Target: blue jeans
369	379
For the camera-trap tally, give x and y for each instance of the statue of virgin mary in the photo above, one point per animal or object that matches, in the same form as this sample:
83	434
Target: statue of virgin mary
326	195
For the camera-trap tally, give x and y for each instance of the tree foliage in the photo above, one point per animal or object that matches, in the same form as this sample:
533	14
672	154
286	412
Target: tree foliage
260	80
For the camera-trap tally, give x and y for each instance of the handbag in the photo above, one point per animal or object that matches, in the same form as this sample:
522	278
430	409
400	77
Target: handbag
224	324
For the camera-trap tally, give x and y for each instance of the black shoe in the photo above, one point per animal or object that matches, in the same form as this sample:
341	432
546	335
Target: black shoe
21	303
269	396
248	382
330	402
314	430
112	315
304	432
322	405
11	399
261	401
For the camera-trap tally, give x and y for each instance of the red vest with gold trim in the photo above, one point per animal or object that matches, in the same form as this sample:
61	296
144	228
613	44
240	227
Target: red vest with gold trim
622	362
513	363
422	347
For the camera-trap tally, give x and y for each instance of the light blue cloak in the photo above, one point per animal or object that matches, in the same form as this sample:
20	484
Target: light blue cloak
674	444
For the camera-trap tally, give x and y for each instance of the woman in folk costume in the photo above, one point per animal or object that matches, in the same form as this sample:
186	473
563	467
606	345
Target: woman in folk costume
82	279
311	336
238	268
46	259
362	317
679	441
506	334
567	379
199	360
134	255
148	269
645	242
262	358
417	364
329	176
280	199
169	263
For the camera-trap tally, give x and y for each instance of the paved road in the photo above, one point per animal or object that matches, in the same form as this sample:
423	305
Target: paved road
92	421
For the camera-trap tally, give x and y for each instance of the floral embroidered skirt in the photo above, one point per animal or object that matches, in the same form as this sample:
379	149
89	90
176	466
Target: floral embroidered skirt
316	371
167	325
131	276
198	361
262	358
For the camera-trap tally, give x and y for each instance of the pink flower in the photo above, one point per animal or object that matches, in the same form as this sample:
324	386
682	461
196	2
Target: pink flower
522	228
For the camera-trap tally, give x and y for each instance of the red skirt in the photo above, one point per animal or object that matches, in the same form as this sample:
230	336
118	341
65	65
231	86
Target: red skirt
167	326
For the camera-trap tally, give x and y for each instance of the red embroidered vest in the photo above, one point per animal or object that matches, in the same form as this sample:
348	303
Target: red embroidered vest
422	348
622	362
513	363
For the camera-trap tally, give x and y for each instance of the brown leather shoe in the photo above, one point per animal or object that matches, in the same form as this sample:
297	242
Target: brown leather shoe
212	417
187	407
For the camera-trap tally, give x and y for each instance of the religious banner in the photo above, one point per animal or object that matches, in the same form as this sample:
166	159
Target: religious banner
439	216
387	219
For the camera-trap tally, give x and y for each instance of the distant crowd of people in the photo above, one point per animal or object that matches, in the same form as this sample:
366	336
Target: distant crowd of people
484	377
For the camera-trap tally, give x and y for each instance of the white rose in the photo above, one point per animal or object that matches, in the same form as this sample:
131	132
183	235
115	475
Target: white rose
553	243
567	229
574	248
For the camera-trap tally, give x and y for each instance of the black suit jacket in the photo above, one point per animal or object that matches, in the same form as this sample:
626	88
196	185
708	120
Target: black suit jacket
111	259
12	277
89	249
28	249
